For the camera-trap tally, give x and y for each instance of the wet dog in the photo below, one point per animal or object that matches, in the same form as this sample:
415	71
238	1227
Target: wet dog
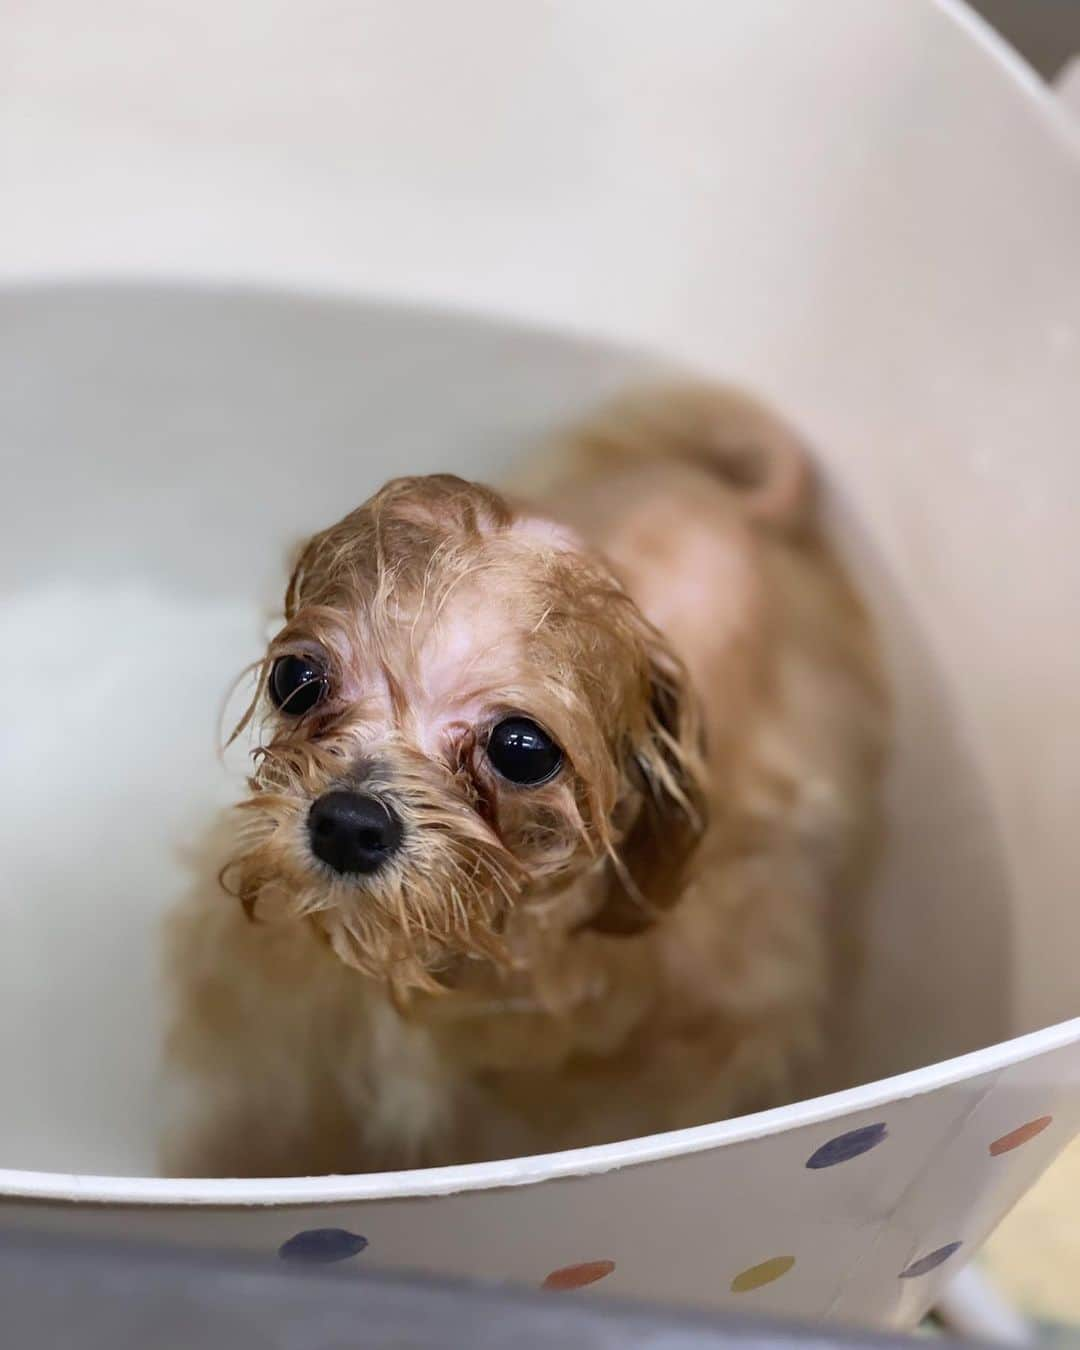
562	805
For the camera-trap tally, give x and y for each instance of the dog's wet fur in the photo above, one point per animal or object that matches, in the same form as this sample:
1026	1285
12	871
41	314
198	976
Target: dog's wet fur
662	933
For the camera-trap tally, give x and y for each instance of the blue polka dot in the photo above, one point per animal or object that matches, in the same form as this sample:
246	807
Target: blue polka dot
925	1264
847	1146
320	1246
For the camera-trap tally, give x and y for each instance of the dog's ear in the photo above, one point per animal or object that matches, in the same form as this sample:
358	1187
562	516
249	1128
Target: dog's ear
649	869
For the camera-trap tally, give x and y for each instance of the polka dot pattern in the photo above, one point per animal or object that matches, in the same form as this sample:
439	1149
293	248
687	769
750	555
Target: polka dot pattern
1023	1134
765	1272
925	1264
577	1277
322	1246
847	1146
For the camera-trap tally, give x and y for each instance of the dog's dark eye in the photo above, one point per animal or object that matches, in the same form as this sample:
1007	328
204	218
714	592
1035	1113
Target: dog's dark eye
297	684
523	753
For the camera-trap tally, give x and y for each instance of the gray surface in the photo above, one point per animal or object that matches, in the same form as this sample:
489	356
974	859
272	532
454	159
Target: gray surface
1045	32
93	1297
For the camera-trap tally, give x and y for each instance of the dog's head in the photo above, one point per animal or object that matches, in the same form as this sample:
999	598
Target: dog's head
464	718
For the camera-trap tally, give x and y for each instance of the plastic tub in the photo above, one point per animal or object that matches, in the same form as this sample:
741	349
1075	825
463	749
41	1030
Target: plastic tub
870	215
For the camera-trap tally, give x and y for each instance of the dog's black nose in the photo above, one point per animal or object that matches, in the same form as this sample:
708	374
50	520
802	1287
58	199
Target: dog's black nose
351	832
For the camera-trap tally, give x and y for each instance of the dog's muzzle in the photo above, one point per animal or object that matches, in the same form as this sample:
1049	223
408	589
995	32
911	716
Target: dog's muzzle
352	832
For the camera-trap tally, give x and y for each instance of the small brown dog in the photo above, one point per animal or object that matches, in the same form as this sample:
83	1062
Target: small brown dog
558	822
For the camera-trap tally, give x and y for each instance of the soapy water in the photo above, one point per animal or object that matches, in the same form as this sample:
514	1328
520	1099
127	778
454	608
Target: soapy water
115	709
109	741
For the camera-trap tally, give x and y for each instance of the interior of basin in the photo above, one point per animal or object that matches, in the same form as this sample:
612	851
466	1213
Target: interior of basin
162	451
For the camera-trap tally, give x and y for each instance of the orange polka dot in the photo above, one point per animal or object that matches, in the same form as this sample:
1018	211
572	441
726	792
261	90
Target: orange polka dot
764	1273
577	1277
1019	1136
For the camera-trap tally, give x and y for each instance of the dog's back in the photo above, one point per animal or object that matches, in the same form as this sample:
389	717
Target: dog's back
705	504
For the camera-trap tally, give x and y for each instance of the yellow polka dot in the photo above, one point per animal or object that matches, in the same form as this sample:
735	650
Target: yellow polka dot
765	1273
